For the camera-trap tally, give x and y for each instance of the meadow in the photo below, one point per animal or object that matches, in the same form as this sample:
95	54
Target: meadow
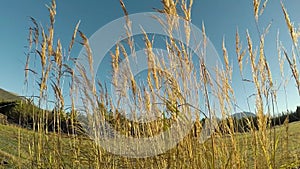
17	144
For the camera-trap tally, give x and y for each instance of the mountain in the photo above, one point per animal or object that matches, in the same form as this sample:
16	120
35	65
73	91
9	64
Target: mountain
6	96
243	115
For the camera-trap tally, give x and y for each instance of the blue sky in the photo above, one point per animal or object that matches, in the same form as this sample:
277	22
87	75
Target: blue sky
221	19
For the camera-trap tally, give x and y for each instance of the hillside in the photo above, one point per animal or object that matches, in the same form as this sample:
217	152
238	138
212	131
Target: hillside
8	96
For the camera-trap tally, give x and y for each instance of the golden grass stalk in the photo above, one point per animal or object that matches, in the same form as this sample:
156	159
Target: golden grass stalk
257	10
30	41
36	31
170	7
238	48
294	69
290	26
256	4
151	61
123	8
252	58
52	11
263	7
280	59
187	9
204	38
115	64
73	37
225	56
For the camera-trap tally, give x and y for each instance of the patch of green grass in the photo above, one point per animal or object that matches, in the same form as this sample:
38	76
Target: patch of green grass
10	151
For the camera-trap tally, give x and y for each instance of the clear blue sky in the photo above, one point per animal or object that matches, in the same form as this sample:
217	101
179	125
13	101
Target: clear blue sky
221	18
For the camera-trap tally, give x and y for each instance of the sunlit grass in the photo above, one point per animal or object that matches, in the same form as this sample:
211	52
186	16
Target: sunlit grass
261	147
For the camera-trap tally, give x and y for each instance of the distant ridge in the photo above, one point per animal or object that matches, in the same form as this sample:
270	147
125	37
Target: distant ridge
6	96
243	115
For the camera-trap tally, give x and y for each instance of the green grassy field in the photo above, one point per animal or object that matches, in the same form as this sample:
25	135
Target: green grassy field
84	155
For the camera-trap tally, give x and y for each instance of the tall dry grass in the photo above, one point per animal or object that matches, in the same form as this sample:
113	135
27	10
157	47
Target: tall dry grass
175	82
